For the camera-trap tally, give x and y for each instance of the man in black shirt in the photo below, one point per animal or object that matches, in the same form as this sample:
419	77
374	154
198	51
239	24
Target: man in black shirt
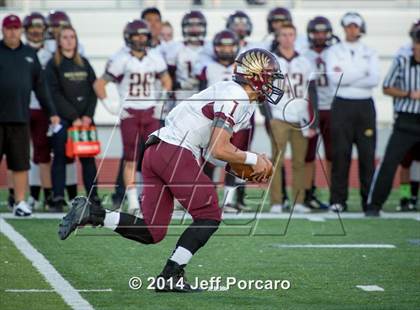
20	72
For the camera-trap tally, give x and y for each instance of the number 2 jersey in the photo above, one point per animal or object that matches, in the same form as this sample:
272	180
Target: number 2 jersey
190	123
298	72
135	78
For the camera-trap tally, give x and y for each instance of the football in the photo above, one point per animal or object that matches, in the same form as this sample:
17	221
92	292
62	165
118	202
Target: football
244	171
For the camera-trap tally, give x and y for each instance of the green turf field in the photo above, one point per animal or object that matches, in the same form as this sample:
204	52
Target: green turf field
320	278
254	197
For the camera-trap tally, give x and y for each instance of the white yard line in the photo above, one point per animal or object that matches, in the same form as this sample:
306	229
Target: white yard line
315	218
246	216
51	275
336	246
370	288
34	290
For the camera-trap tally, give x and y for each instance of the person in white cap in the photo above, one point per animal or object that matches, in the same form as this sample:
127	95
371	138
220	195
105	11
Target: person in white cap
353	68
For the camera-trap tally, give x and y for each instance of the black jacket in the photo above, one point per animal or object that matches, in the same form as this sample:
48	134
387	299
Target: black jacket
20	73
71	88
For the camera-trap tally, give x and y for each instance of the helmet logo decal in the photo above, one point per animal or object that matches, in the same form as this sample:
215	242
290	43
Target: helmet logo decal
254	62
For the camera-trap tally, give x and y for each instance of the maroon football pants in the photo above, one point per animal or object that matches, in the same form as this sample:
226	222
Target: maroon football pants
169	172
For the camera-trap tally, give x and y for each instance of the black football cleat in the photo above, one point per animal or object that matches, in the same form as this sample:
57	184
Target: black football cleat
57	205
81	212
372	211
173	278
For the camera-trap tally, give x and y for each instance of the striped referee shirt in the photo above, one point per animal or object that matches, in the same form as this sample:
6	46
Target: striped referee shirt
405	75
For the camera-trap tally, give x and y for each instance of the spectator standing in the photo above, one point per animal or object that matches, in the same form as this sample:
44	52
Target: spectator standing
70	78
21	73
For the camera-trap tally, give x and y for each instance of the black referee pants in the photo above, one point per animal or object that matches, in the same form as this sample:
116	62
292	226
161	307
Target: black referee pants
352	121
405	135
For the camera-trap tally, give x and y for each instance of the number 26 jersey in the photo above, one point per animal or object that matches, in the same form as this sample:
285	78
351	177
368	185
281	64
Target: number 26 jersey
135	78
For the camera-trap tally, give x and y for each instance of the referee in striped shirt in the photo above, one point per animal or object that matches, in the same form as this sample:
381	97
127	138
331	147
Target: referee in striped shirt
403	84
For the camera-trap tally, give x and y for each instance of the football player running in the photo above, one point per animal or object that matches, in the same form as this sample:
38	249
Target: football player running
170	166
220	68
134	70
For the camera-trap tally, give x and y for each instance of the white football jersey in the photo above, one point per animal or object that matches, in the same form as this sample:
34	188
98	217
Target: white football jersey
184	57
135	78
165	48
44	55
325	89
207	56
190	123
298	72
214	72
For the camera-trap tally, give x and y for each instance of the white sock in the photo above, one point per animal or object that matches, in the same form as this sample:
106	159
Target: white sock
34	177
229	194
111	220
181	256
133	198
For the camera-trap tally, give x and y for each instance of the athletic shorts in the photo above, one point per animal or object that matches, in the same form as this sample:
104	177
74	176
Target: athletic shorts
14	143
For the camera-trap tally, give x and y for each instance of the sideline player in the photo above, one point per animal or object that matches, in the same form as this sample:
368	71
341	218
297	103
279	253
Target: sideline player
320	37
134	70
171	169
276	18
241	24
181	57
35	27
291	118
